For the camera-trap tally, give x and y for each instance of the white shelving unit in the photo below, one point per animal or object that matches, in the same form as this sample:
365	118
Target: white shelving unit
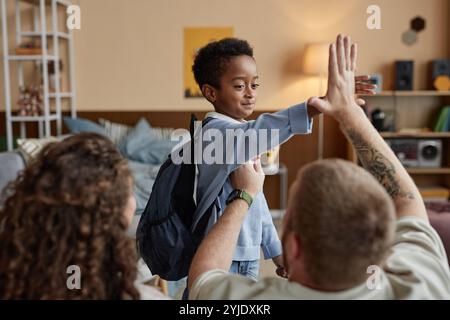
40	31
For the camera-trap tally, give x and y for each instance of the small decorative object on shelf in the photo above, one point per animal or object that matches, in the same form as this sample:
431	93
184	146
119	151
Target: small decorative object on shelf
270	161
435	193
440	67
52	74
418	24
30	101
409	37
30	48
443	120
442	83
377	79
404	75
378	117
440	74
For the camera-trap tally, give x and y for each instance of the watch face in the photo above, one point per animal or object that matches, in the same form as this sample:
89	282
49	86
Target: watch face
233	195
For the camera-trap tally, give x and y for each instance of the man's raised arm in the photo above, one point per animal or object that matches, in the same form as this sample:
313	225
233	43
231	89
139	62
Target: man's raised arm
217	249
373	152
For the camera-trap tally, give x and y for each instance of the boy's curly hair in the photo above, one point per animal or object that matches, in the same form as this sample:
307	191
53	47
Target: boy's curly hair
67	208
211	61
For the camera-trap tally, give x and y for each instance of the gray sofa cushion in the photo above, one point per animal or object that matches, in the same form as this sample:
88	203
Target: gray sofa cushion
11	163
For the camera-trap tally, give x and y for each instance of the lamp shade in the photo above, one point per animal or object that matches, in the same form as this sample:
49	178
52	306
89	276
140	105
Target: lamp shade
315	61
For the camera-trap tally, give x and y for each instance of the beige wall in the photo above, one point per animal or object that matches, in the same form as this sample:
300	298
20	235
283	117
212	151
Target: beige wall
129	52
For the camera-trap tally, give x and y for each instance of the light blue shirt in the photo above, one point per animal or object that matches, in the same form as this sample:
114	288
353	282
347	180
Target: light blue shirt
258	230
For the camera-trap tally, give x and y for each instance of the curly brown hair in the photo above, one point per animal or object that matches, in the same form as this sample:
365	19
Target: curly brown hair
67	208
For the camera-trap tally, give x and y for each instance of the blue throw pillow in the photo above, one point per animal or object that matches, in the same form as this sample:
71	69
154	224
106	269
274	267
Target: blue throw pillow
83	125
155	152
136	138
142	145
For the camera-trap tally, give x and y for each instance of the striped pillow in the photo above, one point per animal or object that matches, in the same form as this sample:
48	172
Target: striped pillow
30	148
117	131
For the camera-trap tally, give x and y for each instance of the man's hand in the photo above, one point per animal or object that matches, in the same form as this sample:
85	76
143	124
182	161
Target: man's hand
340	97
249	177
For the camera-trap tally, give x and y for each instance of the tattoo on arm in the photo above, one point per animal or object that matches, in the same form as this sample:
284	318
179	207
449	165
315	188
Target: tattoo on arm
380	167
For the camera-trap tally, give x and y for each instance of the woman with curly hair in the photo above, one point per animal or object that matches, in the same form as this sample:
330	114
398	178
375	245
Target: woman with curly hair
70	207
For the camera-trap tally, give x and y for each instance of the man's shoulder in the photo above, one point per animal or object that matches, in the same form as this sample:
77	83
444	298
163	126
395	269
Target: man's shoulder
221	285
416	241
415	232
418	259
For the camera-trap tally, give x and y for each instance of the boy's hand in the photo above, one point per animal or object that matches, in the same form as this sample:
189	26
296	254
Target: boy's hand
361	87
249	177
279	263
340	98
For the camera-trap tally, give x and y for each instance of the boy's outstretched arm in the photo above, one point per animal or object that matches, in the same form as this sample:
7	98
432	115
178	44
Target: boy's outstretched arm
372	150
241	142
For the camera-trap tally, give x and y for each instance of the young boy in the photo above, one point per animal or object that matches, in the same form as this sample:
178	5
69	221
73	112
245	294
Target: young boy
226	73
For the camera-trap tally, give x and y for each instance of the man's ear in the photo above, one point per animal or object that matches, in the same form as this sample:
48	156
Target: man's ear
294	246
209	92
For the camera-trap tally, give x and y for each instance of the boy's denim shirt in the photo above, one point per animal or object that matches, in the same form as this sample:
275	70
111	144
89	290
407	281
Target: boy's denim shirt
258	230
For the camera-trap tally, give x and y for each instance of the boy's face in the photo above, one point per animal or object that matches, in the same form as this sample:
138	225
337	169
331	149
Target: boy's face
237	94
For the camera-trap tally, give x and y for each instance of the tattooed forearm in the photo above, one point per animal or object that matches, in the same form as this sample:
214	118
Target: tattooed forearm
378	165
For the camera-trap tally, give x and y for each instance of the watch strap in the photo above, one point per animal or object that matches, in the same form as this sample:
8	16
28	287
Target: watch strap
240	194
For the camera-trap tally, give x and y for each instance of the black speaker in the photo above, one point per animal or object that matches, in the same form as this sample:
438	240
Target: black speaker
440	68
404	75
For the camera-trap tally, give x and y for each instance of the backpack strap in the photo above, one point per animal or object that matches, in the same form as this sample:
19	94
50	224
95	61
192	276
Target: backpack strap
191	131
206	121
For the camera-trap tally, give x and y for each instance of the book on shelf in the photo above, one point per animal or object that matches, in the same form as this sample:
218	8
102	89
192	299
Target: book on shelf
434	193
443	122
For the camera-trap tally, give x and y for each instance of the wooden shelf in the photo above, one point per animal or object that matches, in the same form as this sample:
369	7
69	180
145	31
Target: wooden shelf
61	95
32	118
428	170
416	93
47	2
431	135
37	34
29	58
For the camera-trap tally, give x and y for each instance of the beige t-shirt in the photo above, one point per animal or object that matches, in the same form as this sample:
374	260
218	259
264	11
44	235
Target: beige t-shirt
417	268
147	292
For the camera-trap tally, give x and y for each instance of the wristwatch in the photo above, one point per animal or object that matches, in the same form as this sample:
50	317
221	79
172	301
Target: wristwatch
239	194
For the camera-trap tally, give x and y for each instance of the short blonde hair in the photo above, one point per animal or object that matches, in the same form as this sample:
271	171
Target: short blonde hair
344	219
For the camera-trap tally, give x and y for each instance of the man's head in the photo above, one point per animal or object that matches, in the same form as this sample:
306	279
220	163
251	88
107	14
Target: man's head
226	74
339	221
